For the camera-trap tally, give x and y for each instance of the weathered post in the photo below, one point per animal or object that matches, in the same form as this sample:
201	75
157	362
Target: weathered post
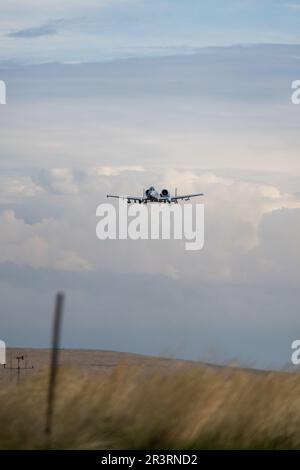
54	361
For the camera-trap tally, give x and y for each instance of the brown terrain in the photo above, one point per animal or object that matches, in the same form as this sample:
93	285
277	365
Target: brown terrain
112	400
89	360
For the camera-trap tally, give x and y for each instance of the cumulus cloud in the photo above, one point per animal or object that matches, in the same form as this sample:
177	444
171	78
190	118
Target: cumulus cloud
36	245
15	187
116	170
234	212
276	257
58	180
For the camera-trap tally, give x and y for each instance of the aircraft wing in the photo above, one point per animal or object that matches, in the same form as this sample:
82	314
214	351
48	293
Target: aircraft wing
186	196
128	198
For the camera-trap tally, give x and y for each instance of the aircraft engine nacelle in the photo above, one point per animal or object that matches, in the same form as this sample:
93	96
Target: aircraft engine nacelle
164	193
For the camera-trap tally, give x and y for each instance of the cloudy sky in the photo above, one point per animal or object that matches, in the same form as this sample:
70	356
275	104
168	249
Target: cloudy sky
93	30
115	95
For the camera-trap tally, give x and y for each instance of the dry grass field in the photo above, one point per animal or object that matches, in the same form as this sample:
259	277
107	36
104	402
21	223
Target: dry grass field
108	400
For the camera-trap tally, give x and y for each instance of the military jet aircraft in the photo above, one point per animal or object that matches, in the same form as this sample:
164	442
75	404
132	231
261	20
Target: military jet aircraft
152	195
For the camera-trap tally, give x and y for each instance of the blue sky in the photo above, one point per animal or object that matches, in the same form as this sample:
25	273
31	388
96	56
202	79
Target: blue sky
76	30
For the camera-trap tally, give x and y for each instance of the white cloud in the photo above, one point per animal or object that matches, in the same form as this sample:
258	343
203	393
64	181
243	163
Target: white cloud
58	180
234	213
116	170
70	261
36	245
16	187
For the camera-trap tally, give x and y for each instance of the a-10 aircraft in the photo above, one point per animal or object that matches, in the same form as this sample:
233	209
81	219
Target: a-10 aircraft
151	195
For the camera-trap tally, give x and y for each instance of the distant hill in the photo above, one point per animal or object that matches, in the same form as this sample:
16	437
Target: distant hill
89	359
